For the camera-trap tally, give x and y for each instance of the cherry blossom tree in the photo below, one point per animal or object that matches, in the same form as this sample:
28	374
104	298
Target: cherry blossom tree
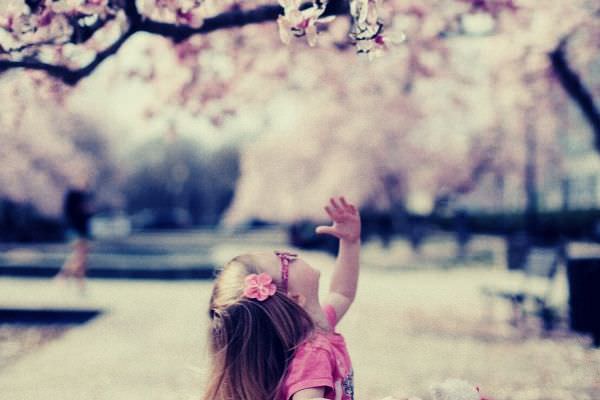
430	116
70	38
384	145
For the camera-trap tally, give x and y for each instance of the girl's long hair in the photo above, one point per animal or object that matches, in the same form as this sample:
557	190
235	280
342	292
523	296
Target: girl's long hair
251	342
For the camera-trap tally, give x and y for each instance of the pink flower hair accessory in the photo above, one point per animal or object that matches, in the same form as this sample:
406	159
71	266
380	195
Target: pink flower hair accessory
259	286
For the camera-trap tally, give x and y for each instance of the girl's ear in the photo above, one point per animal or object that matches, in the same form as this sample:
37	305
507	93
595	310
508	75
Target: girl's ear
298	298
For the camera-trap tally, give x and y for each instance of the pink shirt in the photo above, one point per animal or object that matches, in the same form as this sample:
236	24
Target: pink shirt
321	361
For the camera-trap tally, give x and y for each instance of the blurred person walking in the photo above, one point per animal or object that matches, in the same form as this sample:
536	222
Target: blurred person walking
462	234
77	210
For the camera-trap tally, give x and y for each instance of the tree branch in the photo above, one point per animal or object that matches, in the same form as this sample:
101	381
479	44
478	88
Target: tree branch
573	85
67	75
231	19
17	50
226	20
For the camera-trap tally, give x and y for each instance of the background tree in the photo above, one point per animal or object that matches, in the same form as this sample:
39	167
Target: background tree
45	151
179	175
437	113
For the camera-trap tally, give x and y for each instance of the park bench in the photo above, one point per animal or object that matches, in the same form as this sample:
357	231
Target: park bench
531	289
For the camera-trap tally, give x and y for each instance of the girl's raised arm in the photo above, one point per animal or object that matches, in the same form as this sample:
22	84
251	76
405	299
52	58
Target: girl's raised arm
346	227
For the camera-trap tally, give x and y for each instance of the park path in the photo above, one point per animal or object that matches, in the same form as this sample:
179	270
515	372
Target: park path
147	344
407	330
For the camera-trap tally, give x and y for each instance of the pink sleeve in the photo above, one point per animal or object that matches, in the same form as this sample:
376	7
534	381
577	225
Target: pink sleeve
310	368
331	315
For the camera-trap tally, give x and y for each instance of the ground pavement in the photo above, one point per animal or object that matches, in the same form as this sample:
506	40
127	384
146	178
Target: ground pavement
409	328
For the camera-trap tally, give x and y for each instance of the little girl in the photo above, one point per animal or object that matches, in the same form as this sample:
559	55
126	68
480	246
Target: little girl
270	337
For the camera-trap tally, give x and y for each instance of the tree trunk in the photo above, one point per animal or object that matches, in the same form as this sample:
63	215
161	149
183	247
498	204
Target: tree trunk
531	205
573	85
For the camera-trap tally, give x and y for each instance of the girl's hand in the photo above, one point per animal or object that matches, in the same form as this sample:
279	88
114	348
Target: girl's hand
346	221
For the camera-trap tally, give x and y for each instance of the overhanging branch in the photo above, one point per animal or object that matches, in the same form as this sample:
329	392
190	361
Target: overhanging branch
231	19
226	20
65	74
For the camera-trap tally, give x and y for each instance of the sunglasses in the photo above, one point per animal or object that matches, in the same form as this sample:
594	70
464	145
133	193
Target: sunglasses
285	258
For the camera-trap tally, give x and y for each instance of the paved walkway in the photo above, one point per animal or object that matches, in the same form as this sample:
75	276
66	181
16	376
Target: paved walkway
407	330
148	344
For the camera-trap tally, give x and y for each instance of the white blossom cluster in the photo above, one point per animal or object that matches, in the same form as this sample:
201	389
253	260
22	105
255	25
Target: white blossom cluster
298	23
51	22
184	12
367	27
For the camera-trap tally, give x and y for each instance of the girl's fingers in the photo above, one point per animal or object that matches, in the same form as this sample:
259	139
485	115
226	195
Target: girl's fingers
337	211
347	206
330	213
335	215
335	205
344	203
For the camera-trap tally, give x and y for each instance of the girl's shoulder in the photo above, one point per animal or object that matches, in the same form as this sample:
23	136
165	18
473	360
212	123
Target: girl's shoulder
318	340
323	340
313	365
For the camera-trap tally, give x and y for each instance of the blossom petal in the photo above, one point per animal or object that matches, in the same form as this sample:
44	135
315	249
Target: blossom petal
326	20
284	30
311	35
